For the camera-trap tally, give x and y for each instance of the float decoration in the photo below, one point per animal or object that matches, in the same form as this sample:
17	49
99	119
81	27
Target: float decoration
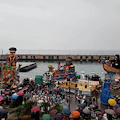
9	72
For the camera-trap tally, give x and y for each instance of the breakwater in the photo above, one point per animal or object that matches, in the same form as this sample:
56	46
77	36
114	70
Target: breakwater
38	57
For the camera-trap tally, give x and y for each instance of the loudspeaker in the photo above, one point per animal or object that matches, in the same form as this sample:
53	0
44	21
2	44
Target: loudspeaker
75	85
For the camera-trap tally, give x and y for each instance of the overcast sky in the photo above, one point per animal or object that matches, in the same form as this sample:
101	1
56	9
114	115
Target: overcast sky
60	24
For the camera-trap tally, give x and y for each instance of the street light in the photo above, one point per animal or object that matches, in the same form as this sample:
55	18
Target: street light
68	79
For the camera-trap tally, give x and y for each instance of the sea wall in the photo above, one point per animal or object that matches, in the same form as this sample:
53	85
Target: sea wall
39	57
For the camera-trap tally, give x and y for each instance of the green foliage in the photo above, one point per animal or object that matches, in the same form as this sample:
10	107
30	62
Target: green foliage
45	104
24	109
58	107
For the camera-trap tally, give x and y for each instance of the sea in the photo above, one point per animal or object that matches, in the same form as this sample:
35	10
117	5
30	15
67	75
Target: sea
87	67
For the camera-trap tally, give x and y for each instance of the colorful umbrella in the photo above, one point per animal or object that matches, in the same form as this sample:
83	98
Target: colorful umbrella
53	112
35	109
46	117
76	114
117	111
66	112
1	98
112	102
110	111
15	96
20	93
92	106
58	116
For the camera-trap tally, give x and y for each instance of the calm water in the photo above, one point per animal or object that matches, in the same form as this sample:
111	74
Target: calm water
87	67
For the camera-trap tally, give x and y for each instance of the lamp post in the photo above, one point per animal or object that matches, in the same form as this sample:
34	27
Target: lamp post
68	79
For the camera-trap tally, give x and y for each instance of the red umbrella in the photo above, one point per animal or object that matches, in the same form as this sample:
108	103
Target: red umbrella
20	93
1	98
53	112
35	109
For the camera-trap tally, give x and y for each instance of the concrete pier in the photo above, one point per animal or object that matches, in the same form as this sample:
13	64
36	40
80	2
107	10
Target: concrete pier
38	57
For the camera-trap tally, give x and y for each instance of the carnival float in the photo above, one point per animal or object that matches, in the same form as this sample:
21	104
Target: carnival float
9	71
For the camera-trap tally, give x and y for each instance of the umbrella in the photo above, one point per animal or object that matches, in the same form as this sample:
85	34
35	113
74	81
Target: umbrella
1	107
92	106
53	112
98	112
27	95
46	117
80	105
3	111
15	96
75	114
110	111
35	109
116	106
58	116
112	102
86	110
66	112
117	111
1	98
20	93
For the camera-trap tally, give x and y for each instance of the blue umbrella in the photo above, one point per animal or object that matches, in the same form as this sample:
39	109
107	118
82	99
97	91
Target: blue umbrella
15	96
116	106
81	106
66	112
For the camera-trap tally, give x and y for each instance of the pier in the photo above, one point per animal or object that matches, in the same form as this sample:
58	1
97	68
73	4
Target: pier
41	57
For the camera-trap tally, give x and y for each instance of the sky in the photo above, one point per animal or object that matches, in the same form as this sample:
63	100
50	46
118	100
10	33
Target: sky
60	24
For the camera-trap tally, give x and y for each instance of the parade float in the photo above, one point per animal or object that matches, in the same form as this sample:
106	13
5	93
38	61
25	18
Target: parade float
112	68
9	72
62	72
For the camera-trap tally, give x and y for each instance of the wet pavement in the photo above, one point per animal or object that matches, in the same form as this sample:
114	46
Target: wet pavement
74	101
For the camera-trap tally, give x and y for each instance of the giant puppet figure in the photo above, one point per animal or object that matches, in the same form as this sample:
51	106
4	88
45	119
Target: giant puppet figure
9	72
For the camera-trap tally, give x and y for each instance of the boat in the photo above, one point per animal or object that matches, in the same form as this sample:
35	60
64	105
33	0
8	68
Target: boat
28	67
110	69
